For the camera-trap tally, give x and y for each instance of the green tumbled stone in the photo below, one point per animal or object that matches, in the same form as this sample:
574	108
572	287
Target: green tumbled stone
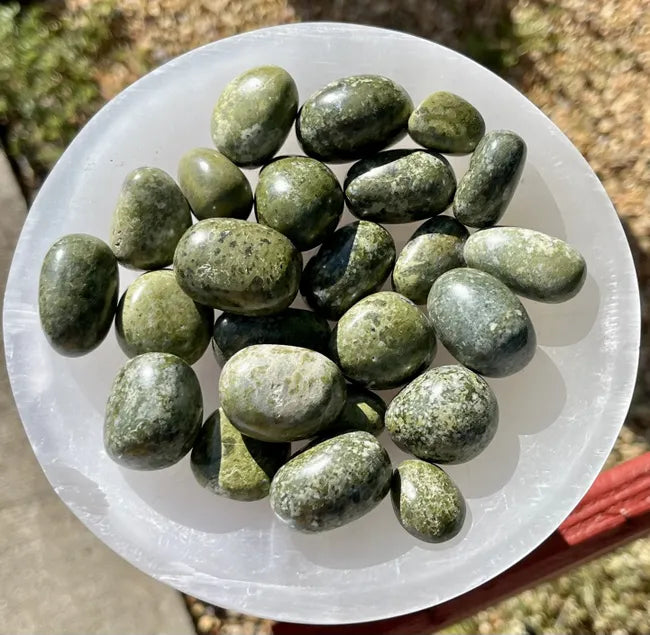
363	410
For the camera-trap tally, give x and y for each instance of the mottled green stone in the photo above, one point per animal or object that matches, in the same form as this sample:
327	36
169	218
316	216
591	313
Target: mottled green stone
363	410
447	415
488	185
532	264
154	412
237	266
481	322
436	247
232	465
279	393
353	262
428	504
254	114
332	483
77	293
383	341
353	117
213	185
155	316
149	219
301	198
446	123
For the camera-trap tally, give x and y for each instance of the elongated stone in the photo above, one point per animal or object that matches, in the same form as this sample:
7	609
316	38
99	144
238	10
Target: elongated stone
363	410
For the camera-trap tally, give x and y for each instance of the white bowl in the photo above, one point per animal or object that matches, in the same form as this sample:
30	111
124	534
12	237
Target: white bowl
559	416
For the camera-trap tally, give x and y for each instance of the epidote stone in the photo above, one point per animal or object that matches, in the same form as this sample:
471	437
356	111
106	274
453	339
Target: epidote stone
481	322
488	185
353	262
332	483
77	293
254	114
363	410
237	266
155	315
232	465
153	413
301	198
281	393
213	185
353	117
447	415
532	264
149	219
436	247
426	501
383	341
400	186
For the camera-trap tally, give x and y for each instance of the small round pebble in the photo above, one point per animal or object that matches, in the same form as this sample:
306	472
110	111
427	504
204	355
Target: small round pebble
363	410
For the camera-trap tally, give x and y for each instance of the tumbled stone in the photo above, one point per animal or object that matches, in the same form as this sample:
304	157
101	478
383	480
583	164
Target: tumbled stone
363	410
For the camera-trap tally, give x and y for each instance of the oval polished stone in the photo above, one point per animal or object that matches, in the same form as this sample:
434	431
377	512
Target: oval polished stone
447	415
363	410
229	464
281	393
353	117
254	114
481	322
149	219
353	262
154	412
213	185
237	266
436	247
532	264
77	293
300	198
488	185
155	315
332	483
428	504
400	186
445	122
383	341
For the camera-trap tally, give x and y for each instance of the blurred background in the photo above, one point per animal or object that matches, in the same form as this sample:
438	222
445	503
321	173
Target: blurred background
585	63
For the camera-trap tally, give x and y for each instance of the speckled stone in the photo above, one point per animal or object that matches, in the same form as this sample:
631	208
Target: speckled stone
232	465
155	315
447	415
292	327
481	322
532	264
383	341
426	501
363	410
149	219
353	262
77	293
154	412
436	247
353	117
301	198
400	186
332	483
213	185
279	393
237	266
488	185
446	123
254	114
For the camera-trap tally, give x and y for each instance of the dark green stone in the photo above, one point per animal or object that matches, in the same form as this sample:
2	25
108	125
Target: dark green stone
154	412
363	410
77	293
383	341
149	219
481	322
353	117
237	266
353	262
447	415
332	483
301	198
